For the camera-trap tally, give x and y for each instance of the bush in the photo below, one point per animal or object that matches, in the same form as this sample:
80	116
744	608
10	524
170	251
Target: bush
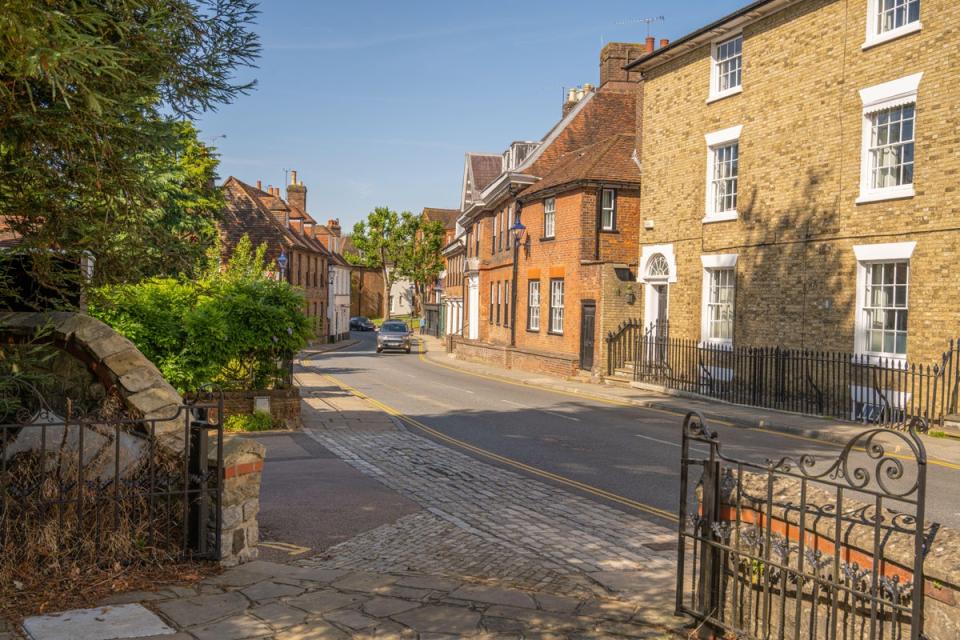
234	327
257	421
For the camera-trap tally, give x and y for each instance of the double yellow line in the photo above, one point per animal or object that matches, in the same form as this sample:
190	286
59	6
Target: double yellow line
620	403
586	488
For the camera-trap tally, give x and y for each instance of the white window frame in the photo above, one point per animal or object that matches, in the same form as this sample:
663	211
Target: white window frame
556	306
711	263
533	305
717	140
611	210
868	255
875	37
715	93
550	216
896	93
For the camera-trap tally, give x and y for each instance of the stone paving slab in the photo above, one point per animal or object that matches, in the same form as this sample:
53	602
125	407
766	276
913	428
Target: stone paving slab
102	623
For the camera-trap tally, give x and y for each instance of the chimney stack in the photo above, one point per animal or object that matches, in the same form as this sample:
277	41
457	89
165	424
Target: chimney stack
334	226
651	43
614	57
259	186
296	193
664	42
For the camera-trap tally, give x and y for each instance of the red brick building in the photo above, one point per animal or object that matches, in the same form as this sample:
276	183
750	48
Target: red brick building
577	193
285	228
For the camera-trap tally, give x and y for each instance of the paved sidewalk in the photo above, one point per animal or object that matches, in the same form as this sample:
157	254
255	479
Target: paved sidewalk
492	554
943	449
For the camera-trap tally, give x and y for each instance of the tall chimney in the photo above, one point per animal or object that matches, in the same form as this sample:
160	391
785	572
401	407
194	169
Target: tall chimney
259	186
296	193
614	57
334	226
651	43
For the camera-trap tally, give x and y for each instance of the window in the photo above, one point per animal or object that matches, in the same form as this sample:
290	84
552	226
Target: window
499	299
549	217
720	305
492	295
533	305
608	210
509	226
889	132
493	237
723	174
727	72
889	19
506	304
556	306
885	307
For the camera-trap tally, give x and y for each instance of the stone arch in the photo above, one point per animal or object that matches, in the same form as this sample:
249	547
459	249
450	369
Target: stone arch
112	359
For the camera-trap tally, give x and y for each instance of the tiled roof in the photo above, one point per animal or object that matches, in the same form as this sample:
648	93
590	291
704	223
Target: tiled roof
485	168
447	216
610	160
260	216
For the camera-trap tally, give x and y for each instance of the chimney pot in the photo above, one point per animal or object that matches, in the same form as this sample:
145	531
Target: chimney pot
259	186
664	42
651	42
293	177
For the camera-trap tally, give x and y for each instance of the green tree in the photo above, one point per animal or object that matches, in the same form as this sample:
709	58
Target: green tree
90	97
382	242
421	259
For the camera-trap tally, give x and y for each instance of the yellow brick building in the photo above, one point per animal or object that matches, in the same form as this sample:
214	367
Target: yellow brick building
800	167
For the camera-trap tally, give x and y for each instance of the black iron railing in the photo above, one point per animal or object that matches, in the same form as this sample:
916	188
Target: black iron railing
98	489
849	386
804	547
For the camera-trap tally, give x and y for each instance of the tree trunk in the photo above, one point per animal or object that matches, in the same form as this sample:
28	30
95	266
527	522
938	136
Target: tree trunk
386	295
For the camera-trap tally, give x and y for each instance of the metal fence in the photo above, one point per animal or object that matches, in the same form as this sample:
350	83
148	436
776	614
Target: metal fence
107	490
843	385
803	547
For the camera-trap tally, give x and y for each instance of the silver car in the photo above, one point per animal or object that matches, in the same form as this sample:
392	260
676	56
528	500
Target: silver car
394	335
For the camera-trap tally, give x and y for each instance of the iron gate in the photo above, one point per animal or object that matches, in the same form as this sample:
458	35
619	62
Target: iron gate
804	547
108	490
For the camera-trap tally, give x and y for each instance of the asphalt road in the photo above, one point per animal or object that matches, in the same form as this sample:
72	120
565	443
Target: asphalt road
628	451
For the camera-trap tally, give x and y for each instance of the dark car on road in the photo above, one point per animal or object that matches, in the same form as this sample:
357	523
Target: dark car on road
394	334
360	323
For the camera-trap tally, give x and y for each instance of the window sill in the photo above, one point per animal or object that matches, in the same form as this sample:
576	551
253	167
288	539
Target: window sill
722	345
714	97
724	216
529	330
548	239
874	40
892	193
890	360
554	333
611	231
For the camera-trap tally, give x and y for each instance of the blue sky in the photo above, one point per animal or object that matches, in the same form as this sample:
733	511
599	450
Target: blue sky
375	102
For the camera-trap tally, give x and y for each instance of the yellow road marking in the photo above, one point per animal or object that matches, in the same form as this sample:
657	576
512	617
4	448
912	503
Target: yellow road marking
290	549
619	403
613	497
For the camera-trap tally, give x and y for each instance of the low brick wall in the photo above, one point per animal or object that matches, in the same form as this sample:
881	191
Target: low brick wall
242	470
515	358
284	405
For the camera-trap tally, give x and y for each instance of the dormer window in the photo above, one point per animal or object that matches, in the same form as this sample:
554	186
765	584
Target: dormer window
726	77
889	19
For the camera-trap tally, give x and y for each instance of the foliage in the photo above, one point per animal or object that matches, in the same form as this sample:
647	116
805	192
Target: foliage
232	326
422	260
92	158
256	421
381	241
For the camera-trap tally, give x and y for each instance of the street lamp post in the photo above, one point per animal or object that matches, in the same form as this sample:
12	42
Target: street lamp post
282	263
518	231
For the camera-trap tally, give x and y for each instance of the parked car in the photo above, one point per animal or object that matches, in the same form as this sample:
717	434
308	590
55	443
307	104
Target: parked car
394	334
360	323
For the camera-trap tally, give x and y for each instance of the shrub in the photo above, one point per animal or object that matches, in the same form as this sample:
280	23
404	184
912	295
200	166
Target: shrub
234	327
256	421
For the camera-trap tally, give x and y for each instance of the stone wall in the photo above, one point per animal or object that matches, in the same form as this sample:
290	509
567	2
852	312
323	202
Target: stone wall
242	470
284	405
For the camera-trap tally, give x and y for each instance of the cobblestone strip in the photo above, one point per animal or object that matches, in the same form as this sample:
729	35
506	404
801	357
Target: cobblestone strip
553	539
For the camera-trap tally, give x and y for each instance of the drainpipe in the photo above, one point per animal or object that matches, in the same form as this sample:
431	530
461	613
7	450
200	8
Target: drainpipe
513	287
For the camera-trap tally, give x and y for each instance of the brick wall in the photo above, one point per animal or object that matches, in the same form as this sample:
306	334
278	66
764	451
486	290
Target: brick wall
284	405
514	358
366	293
799	171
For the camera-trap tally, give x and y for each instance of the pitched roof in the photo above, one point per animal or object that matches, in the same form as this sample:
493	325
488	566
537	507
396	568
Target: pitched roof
260	216
447	216
485	167
610	160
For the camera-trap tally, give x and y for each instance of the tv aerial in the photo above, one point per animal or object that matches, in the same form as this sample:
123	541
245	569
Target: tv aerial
646	21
